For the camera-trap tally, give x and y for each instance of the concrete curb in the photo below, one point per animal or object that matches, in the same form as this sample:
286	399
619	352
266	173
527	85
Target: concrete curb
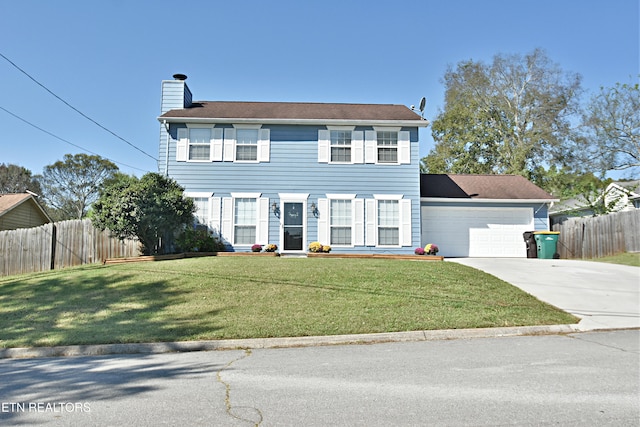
263	343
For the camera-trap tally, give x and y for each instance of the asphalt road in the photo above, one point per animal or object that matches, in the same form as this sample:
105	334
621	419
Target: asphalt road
588	378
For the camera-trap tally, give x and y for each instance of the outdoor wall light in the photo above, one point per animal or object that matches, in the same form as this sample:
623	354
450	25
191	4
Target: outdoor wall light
314	209
274	208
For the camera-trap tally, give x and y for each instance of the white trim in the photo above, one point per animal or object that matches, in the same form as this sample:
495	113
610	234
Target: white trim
404	147
466	200
324	122
293	197
323	220
351	128
357	147
245	195
388	196
357	219
194	194
340	196
371	229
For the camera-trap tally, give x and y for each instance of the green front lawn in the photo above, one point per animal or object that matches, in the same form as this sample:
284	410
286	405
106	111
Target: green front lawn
251	297
628	258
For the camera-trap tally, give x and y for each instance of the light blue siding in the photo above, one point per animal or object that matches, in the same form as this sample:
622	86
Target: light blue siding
294	168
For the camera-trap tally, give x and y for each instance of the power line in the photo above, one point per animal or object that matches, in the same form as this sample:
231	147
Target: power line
64	140
75	109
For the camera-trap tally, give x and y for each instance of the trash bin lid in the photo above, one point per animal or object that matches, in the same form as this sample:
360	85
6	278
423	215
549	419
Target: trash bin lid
546	232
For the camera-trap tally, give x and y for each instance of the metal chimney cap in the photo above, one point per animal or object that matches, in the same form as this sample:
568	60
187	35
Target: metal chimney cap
180	76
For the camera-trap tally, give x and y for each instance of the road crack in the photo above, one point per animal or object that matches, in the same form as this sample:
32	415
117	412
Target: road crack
246	414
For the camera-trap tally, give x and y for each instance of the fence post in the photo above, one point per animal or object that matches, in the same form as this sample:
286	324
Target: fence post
53	245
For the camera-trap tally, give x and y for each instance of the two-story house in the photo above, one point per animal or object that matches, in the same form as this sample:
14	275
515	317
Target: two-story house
287	173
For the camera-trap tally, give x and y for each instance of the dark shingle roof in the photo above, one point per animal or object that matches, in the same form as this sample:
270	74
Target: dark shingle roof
497	187
294	111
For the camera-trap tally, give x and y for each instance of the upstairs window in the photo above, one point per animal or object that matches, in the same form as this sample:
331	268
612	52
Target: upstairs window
340	146
199	144
387	147
246	144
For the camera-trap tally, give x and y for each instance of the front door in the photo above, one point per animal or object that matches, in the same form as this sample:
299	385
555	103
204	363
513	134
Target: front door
293	226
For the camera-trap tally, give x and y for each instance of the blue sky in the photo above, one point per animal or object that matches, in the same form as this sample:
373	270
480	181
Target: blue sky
107	59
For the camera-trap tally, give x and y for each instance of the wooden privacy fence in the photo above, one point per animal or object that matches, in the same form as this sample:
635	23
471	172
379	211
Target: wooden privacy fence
595	237
58	245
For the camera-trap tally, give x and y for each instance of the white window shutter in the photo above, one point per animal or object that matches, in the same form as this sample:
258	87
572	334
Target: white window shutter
358	222
264	145
214	209
216	144
404	147
227	219
370	231
324	138
262	232
405	226
229	145
370	144
182	145
357	144
323	221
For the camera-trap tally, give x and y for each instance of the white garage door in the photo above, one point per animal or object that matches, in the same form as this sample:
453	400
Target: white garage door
477	231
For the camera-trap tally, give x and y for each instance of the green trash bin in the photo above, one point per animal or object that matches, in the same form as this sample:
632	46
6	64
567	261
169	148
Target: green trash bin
547	243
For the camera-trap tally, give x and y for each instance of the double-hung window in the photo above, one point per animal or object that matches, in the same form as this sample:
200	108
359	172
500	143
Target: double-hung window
246	144
340	146
199	144
387	146
340	222
388	222
202	213
244	221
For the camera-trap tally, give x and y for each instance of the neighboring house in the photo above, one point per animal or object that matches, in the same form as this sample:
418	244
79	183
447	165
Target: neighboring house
618	196
623	195
21	211
346	175
481	215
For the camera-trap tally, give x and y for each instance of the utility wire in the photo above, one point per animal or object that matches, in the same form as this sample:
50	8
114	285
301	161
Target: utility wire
64	140
75	109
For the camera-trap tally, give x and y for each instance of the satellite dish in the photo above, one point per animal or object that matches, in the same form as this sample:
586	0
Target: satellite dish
423	102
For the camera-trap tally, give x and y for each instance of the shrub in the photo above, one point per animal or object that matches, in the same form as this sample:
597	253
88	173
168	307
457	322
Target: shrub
198	240
256	248
419	251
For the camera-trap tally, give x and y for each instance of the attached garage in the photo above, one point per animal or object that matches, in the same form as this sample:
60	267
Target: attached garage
481	215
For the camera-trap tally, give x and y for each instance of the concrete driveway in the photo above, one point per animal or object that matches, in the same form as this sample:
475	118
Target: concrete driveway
604	296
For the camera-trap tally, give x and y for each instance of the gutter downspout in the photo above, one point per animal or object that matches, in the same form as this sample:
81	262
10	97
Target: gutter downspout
166	154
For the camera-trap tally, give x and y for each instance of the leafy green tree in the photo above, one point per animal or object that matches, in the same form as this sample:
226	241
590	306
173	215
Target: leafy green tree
152	208
71	185
564	183
17	179
510	116
612	121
